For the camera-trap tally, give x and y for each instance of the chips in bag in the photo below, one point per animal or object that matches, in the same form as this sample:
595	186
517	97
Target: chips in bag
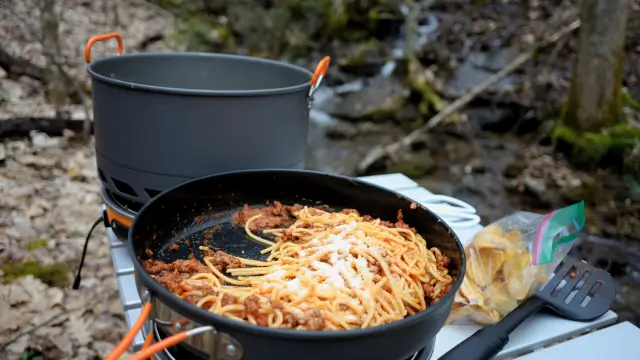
510	259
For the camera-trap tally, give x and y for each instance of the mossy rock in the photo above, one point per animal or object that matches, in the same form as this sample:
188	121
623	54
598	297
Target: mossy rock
54	274
378	101
587	149
415	167
360	53
430	100
589	191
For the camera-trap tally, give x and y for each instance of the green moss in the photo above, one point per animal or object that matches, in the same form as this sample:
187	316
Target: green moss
336	19
55	274
384	113
31	354
360	53
373	15
87	88
514	169
588	149
430	98
414	168
629	101
589	191
195	34
36	244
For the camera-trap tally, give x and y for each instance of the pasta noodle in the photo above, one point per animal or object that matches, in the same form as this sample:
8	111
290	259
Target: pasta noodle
326	271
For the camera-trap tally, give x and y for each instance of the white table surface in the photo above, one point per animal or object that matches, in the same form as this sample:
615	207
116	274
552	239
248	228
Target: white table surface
539	330
617	342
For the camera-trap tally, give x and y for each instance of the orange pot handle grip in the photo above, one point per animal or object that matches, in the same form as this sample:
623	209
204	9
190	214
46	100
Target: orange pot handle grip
128	338
321	70
95	39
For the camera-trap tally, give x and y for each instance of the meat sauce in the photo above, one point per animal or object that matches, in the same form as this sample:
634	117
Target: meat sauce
279	216
171	275
274	216
431	294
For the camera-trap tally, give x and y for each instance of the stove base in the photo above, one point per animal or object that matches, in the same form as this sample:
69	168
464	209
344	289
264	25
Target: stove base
179	352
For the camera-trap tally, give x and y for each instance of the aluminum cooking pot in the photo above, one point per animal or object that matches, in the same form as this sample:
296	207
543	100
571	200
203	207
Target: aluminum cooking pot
161	119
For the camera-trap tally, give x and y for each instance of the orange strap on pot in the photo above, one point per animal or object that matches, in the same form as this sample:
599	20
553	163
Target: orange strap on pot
93	40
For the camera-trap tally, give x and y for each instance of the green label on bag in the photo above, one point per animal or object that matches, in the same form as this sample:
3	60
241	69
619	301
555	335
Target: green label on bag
557	228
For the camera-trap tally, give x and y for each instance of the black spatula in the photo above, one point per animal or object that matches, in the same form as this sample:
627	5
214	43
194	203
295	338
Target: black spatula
577	291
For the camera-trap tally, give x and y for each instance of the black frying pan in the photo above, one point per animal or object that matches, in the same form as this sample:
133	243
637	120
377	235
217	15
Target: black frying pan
181	215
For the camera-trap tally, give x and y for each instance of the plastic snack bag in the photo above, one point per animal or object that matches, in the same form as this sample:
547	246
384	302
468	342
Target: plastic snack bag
510	259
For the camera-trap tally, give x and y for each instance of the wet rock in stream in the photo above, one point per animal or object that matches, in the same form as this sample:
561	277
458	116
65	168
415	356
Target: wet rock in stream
379	100
494	118
477	68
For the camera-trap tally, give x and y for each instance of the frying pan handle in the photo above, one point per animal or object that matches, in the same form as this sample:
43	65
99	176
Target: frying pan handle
128	338
169	342
149	350
487	342
95	39
319	74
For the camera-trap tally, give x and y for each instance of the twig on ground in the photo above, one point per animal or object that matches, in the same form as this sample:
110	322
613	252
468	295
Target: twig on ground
17	67
52	126
148	41
380	152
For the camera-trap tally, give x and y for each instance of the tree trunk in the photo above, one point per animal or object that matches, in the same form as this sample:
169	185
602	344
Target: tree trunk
594	97
54	78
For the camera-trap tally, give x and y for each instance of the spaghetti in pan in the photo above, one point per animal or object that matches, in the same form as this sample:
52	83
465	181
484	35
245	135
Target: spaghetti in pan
324	270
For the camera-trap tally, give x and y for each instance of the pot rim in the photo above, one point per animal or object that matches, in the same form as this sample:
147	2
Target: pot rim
204	317
184	91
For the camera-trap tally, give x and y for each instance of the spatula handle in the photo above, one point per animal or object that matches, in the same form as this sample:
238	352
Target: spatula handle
487	342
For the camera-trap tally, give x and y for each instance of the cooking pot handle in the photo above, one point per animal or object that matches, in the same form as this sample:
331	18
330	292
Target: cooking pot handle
93	40
318	75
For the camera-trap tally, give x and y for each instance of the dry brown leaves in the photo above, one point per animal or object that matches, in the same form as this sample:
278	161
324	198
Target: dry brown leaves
49	190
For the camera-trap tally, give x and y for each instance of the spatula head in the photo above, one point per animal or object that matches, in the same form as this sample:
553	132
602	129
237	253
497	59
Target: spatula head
578	290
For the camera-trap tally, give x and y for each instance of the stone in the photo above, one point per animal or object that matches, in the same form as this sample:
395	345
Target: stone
414	165
514	169
535	185
102	348
477	68
38	162
42	140
17	295
476	165
377	101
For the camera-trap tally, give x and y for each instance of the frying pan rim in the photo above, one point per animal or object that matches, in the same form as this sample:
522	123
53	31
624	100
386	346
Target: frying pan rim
186	91
197	314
